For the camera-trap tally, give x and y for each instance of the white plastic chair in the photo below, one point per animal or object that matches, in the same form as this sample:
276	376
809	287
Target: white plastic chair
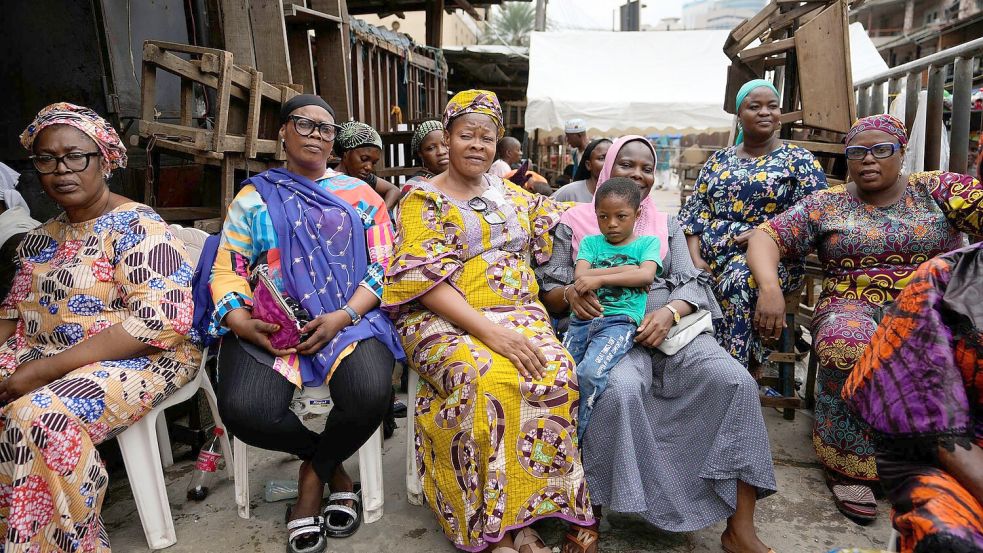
146	445
414	486
369	465
894	542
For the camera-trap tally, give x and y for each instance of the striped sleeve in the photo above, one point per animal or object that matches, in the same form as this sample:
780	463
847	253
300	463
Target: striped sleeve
236	254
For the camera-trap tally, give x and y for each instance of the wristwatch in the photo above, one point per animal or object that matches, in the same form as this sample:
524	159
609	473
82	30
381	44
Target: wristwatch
356	317
675	314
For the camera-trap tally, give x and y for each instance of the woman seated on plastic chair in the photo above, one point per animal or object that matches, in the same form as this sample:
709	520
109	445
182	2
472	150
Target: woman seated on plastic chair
95	332
297	280
918	387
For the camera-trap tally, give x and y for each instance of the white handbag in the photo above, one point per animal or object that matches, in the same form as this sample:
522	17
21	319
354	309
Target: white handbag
685	330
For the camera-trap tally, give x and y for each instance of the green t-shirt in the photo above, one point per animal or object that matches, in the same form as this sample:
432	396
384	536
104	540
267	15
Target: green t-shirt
618	300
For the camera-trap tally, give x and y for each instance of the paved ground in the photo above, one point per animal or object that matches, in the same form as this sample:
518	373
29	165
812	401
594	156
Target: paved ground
799	519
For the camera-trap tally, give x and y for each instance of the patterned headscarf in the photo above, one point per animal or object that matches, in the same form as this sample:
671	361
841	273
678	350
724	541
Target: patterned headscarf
355	134
421	132
84	119
475	101
883	122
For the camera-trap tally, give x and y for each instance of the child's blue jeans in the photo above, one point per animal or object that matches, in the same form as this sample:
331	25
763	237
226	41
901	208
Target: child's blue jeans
596	347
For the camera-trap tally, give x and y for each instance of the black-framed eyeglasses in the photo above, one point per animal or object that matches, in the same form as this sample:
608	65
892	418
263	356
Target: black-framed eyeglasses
305	127
490	213
74	161
880	151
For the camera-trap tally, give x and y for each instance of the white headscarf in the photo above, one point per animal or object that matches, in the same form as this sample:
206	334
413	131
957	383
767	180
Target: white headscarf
8	188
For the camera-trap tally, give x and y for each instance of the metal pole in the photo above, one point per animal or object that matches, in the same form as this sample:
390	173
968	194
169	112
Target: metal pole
912	88
877	99
933	118
541	15
863	104
962	91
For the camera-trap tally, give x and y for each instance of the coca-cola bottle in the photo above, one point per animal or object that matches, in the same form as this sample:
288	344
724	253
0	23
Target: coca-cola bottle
205	467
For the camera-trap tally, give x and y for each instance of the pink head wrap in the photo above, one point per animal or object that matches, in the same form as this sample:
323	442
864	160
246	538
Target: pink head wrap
883	122
582	219
85	120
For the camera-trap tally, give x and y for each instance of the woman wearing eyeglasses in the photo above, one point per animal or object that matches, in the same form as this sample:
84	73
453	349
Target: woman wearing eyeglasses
94	333
496	432
323	241
870	234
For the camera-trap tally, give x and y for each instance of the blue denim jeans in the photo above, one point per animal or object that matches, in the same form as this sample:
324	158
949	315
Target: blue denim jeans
596	347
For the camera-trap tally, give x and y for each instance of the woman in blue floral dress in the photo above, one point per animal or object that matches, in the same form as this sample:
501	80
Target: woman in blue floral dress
739	188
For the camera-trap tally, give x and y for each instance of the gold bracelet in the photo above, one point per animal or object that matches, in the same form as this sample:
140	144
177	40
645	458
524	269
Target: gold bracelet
565	288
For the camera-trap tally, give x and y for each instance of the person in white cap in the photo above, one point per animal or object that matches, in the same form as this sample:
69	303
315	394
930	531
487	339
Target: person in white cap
577	139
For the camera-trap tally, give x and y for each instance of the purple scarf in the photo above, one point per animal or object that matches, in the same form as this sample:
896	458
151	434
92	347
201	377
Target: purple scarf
323	259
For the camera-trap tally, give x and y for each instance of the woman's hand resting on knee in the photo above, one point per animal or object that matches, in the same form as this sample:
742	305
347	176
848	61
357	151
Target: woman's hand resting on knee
28	377
515	347
769	315
254	331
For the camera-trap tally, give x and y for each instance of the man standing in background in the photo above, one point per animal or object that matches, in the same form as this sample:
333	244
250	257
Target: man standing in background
577	139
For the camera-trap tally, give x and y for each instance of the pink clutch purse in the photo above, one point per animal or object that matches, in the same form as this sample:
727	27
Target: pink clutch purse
270	306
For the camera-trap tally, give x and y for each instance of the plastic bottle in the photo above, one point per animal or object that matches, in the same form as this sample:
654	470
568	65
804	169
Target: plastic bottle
205	467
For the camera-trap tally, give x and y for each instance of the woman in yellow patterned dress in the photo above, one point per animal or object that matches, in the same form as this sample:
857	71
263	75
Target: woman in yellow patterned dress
95	334
497	405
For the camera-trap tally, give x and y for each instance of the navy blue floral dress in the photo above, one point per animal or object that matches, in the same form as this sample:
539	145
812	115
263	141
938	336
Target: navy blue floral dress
734	195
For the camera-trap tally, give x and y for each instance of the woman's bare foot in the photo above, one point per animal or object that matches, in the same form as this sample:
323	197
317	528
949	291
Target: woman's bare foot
734	541
310	488
342	482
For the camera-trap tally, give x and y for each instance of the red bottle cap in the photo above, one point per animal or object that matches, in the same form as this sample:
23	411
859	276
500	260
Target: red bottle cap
218	431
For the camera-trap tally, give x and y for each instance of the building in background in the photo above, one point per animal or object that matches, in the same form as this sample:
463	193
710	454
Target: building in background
459	28
719	14
905	30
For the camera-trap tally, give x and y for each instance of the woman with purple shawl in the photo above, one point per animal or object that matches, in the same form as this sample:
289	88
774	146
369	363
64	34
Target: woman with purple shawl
323	240
918	386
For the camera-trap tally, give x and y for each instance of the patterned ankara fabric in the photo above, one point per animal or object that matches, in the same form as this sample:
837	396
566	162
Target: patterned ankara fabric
868	256
918	388
74	281
84	119
421	132
672	435
475	101
883	122
733	195
249	233
354	134
496	451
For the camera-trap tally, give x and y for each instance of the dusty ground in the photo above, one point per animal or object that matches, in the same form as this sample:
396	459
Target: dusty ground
801	518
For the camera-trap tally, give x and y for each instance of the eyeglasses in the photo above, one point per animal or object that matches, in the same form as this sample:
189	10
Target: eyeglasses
880	151
491	213
305	127
74	161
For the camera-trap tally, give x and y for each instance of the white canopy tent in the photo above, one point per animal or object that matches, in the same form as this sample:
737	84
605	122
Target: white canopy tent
642	82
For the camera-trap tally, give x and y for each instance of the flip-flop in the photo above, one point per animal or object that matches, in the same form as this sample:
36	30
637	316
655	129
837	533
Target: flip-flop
341	521
855	501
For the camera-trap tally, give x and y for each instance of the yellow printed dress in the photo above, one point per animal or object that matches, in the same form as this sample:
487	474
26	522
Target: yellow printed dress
75	280
496	451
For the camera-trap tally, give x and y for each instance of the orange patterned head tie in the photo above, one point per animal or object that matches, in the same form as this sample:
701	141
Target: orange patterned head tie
84	119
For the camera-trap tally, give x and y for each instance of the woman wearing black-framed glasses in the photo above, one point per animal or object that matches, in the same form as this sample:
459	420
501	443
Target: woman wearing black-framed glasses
870	234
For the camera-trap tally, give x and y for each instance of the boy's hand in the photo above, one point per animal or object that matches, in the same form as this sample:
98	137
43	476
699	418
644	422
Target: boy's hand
586	284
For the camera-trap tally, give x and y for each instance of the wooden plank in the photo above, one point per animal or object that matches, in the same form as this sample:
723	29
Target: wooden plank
435	23
300	16
790	117
360	79
765	50
803	12
187	102
148	90
747	32
818	147
252	114
779	357
223	96
237	31
228	184
334	58
203	72
202	139
270	40
825	81
781	402
301	58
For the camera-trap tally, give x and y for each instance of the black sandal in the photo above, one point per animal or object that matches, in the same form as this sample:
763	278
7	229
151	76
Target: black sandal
302	531
341	521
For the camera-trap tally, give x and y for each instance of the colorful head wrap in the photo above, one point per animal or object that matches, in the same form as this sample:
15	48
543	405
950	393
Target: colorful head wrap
883	122
84	119
475	101
422	131
355	134
742	95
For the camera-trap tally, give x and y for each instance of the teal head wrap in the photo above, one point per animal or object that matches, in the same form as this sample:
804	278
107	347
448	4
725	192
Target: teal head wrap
742	94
